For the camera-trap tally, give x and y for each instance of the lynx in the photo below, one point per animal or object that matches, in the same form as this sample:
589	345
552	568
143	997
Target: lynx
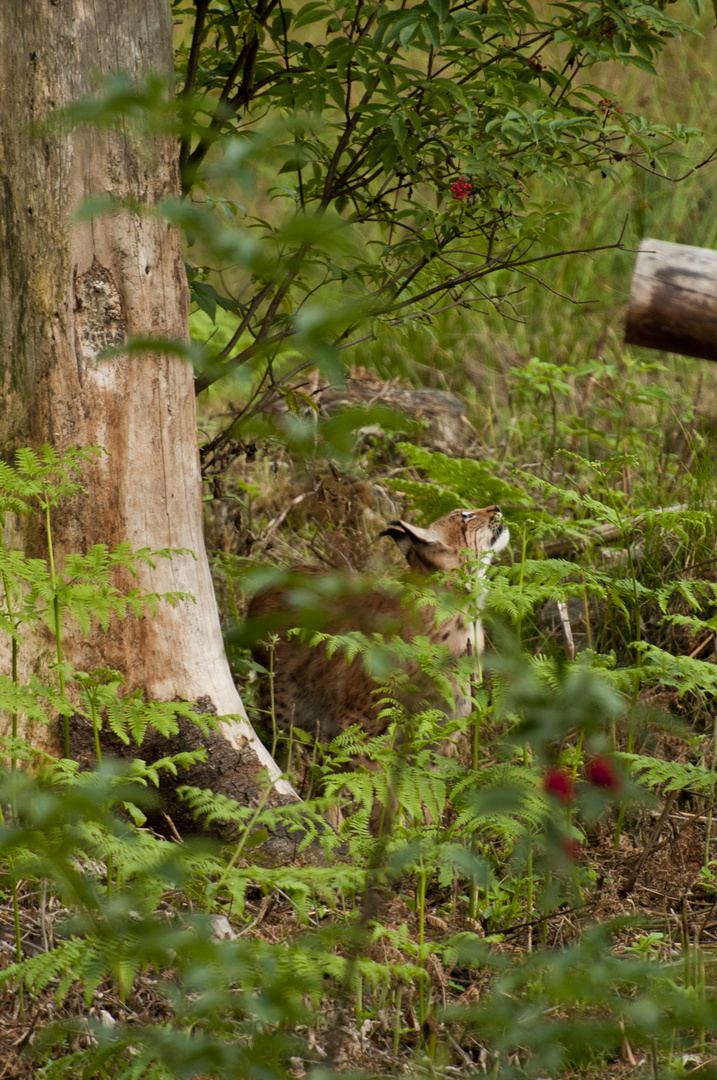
325	695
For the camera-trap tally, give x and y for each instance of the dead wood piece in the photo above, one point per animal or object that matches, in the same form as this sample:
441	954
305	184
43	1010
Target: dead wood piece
566	628
573	545
673	302
444	414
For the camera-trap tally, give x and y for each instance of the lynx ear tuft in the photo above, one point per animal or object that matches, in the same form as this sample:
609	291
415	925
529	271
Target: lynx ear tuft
396	530
410	537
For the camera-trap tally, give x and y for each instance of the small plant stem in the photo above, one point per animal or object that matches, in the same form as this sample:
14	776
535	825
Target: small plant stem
633	711
234	607
520	585
422	877
240	846
13	758
291	742
586	611
95	725
16	915
476	732
700	985
618	827
576	766
58	621
382	816
473	886
397	1020
530	888
274	731
708	832
638	625
314	752
16	919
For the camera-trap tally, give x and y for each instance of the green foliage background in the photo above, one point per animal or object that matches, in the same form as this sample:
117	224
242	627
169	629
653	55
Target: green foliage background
319	145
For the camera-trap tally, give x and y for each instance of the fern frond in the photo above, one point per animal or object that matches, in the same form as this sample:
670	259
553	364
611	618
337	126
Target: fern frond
670	775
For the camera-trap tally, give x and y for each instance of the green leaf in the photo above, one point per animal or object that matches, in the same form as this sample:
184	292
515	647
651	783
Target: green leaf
441	8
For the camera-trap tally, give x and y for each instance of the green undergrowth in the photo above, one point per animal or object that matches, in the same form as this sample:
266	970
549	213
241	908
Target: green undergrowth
479	927
604	471
405	935
487	920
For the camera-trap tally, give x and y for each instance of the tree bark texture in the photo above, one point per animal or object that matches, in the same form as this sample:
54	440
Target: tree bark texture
673	302
70	288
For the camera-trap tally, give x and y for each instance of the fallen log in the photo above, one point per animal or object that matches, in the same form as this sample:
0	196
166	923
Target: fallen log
673	302
601	534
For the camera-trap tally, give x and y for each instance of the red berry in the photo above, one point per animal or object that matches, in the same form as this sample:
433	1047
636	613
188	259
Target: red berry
601	772
572	848
559	783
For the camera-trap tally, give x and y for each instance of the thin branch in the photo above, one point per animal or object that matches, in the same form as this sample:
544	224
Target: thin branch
192	67
226	106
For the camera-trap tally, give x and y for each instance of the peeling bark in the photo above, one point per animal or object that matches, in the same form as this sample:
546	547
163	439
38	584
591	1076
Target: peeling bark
69	289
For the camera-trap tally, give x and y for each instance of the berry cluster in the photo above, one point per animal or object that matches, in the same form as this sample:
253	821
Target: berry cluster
536	65
461	188
559	783
607	106
607	27
599	772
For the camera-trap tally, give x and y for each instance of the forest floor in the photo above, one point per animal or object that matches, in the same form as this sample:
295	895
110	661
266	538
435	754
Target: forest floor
654	879
668	897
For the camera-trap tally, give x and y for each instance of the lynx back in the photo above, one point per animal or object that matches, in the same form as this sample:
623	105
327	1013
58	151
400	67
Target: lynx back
325	695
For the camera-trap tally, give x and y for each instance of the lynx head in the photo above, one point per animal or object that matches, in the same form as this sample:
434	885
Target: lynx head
442	545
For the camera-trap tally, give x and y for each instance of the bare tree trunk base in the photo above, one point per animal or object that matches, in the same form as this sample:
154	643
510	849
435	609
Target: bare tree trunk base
71	288
225	771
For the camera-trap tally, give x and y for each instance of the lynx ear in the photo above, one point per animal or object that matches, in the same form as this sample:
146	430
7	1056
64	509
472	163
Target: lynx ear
410	536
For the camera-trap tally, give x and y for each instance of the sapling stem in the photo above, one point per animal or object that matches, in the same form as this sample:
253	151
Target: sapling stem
708	831
529	870
13	756
240	846
623	526
397	1020
520	585
421	897
95	723
16	920
15	912
530	888
382	817
57	618
274	731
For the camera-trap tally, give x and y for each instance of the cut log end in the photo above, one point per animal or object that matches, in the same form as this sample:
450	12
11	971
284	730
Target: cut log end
673	302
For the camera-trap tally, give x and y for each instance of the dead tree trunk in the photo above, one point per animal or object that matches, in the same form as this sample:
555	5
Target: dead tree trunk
70	288
673	303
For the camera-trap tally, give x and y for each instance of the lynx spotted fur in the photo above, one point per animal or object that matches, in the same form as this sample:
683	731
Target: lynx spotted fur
323	695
